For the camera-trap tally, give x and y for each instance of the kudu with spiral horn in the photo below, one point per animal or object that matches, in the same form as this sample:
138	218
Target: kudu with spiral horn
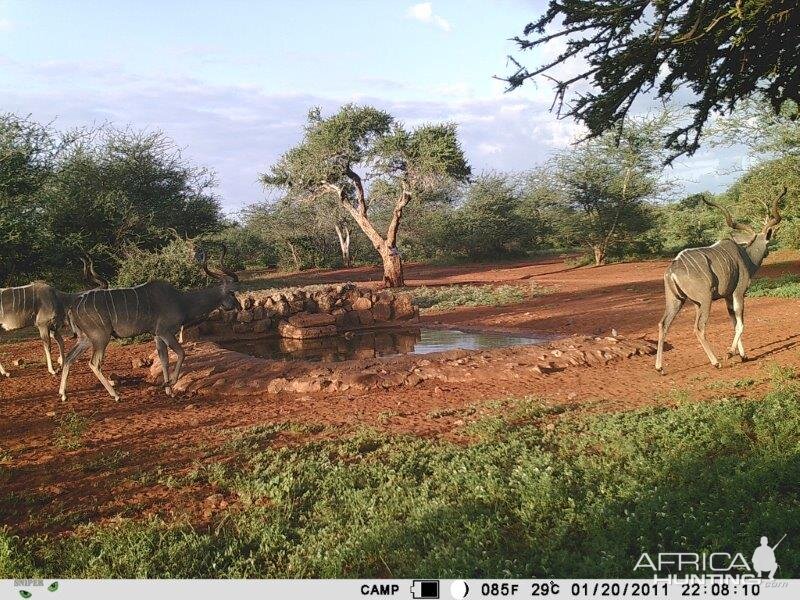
156	308
722	270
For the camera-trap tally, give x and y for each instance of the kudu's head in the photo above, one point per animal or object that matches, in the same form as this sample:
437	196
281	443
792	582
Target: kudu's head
227	278
755	242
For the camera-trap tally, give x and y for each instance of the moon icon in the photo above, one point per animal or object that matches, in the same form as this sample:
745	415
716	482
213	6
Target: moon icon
459	589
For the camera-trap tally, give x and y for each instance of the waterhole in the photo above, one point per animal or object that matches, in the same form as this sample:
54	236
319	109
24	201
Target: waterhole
372	344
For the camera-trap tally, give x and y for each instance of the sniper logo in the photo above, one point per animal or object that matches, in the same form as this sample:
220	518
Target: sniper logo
53	587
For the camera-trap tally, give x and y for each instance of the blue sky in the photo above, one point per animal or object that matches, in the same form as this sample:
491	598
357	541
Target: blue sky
231	81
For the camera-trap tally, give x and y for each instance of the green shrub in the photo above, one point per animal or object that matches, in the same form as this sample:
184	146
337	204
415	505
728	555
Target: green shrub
786	286
452	296
174	263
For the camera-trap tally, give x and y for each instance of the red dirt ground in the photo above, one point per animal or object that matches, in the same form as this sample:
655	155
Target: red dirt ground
129	449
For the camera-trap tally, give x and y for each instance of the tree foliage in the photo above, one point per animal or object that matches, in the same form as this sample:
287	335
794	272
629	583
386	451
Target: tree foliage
63	193
361	154
605	182
722	51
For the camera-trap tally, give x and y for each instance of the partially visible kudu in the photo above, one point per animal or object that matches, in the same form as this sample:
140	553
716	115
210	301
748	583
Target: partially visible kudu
41	305
36	304
156	308
722	270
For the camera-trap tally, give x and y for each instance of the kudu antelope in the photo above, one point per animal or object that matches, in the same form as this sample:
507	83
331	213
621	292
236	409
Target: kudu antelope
156	308
722	270
41	305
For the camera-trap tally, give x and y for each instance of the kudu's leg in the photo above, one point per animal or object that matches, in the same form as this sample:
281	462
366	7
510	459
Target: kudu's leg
60	342
178	350
674	305
736	312
44	334
82	346
3	372
703	310
163	357
99	347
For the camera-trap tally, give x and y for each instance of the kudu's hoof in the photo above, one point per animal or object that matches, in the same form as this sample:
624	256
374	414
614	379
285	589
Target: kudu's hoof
717	365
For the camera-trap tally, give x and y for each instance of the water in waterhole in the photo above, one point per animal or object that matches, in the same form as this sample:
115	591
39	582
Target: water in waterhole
372	344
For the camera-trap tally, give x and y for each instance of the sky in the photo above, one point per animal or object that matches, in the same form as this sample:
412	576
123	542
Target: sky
231	82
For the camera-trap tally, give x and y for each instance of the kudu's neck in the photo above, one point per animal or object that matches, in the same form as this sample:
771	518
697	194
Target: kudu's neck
198	303
755	254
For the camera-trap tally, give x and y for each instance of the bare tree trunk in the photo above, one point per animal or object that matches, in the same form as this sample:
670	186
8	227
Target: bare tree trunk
295	258
343	231
392	262
599	255
392	267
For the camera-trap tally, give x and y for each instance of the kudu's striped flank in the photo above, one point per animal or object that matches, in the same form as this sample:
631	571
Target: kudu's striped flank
722	270
156	308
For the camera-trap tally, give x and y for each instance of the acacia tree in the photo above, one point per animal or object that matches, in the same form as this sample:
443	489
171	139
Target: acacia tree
605	182
361	154
764	132
723	51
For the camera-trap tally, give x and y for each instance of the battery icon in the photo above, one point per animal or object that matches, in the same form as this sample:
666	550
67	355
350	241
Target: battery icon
422	589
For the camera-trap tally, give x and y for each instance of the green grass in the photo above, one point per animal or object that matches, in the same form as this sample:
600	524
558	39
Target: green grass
431	299
786	286
69	431
534	496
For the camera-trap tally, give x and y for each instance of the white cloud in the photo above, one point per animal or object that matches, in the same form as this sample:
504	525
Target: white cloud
240	130
485	148
5	25
423	12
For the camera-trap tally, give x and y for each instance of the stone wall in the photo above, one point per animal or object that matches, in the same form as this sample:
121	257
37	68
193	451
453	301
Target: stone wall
303	313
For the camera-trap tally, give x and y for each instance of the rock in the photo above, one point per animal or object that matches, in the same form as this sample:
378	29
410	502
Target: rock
245	316
326	302
305	386
242	328
282	308
365	317
382	311
403	306
288	330
261	326
413	379
141	363
277	385
362	304
18	362
347	320
311	320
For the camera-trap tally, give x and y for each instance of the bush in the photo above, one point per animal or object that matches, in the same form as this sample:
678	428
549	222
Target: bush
787	286
174	263
452	296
